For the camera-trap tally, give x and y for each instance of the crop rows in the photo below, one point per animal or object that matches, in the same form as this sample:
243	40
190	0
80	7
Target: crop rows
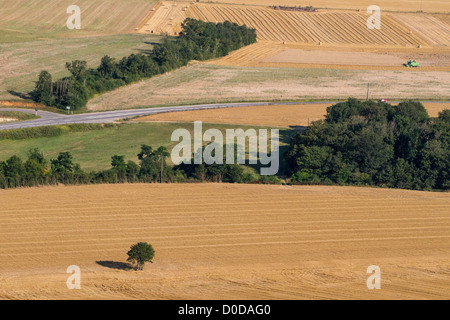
241	241
304	27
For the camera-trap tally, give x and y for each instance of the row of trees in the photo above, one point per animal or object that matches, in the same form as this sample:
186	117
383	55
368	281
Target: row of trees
373	143
152	167
198	41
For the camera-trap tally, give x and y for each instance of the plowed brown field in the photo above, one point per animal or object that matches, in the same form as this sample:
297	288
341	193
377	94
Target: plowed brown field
221	241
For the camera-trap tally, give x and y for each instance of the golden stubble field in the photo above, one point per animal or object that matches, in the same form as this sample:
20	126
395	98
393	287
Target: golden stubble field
272	115
393	5
326	26
223	241
296	55
201	83
48	18
324	39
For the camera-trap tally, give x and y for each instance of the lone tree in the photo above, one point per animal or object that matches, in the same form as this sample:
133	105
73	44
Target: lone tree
141	253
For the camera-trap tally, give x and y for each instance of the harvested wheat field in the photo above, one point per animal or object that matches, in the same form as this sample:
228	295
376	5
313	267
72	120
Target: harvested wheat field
201	83
433	109
32	19
272	115
325	27
330	39
390	5
294	55
223	241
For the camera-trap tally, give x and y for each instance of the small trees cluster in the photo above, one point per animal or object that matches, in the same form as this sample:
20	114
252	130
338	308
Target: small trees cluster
215	172
37	171
199	40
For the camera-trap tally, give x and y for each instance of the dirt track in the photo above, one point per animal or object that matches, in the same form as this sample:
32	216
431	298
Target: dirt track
221	241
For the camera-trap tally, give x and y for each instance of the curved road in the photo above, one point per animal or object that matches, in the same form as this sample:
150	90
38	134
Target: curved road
50	119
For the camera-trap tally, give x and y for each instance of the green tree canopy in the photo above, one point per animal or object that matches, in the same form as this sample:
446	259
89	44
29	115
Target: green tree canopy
140	253
43	89
77	68
375	143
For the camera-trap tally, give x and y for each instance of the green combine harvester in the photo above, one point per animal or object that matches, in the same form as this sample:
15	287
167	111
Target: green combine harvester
412	64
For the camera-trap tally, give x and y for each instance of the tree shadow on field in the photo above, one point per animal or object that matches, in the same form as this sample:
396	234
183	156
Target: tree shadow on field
23	95
150	50
115	265
297	129
151	43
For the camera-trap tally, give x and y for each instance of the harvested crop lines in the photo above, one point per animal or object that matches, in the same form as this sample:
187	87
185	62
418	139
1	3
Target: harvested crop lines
302	27
229	241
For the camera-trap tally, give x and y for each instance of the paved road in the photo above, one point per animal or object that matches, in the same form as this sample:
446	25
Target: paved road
49	118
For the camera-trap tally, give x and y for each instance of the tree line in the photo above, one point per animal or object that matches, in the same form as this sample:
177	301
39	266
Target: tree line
151	168
374	143
198	40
